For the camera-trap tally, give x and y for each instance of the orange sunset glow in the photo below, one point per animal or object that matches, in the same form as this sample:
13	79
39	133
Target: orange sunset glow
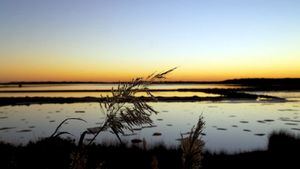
110	41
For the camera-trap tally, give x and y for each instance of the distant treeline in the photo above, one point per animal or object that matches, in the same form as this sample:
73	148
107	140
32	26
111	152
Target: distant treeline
264	81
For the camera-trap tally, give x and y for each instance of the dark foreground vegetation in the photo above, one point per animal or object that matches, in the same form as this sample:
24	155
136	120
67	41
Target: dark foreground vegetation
283	151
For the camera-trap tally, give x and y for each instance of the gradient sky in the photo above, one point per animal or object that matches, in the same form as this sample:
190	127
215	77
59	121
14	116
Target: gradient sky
111	40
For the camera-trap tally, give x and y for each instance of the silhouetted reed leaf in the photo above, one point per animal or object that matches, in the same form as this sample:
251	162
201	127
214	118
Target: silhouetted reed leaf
59	126
122	116
62	133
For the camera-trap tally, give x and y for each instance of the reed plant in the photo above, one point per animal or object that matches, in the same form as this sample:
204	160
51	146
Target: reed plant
124	111
192	146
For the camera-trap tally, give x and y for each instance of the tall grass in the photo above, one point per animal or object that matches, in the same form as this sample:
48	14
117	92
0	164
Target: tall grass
192	147
124	111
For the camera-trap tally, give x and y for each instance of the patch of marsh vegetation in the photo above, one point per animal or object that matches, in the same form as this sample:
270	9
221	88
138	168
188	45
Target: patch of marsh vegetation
282	151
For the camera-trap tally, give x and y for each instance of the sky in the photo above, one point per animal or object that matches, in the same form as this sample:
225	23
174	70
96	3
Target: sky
113	40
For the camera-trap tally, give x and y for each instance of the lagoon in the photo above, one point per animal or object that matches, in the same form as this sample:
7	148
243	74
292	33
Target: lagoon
230	126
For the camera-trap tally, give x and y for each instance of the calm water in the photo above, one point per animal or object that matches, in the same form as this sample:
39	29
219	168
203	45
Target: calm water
104	86
230	126
98	94
109	86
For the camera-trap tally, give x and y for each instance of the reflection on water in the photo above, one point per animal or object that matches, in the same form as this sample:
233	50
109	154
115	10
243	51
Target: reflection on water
229	126
74	87
98	94
109	86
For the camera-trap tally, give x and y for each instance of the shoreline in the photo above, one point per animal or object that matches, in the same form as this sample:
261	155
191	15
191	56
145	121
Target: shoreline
6	101
235	94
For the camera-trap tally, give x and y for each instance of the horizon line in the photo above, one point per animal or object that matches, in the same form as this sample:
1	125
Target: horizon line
165	81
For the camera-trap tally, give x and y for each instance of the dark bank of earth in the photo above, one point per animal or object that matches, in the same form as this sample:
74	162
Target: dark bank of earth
224	95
